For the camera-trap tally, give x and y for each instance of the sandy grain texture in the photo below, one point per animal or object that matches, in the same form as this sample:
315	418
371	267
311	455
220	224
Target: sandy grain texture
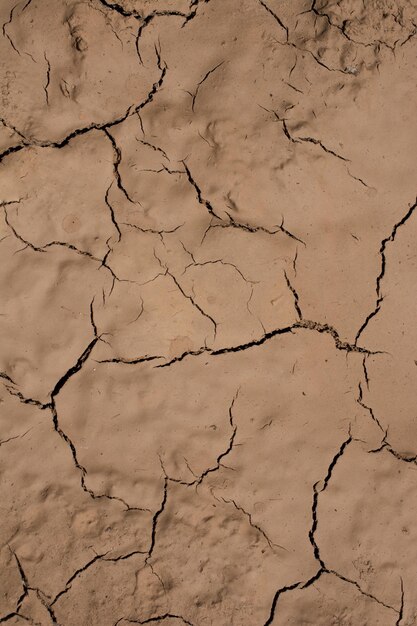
208	363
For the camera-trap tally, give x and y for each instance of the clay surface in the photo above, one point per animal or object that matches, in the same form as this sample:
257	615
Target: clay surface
208	362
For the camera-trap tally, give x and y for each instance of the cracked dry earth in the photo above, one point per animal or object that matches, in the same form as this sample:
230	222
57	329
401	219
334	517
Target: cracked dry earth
208	338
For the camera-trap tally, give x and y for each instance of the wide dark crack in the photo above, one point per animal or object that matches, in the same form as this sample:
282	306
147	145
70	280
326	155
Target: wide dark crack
380	277
286	589
131	110
319	488
116	165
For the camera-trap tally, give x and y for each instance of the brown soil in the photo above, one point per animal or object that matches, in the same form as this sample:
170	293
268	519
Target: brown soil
208	312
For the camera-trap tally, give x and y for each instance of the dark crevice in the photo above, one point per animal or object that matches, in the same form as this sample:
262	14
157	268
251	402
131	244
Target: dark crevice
11	150
197	189
112	214
141	359
359	588
318	142
382	253
296	297
385	445
79	571
74	369
116	165
194	303
270	543
253	229
255	342
155	148
25	583
194	96
5	33
48	79
228	449
282	590
26	243
156	86
343	30
401	612
132	109
317	490
326	328
276	18
183	356
313	140
367	408
155	518
153	620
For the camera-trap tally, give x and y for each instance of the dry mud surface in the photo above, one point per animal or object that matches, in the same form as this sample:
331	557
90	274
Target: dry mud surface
208	312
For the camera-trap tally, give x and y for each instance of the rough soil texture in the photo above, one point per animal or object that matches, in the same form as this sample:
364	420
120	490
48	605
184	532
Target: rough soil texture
208	312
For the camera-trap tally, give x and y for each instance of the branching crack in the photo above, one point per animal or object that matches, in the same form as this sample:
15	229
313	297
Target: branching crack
367	408
116	165
132	110
313	140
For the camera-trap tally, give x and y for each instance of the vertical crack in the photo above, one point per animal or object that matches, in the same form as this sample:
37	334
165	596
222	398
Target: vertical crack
296	297
116	165
48	79
379	278
401	613
317	489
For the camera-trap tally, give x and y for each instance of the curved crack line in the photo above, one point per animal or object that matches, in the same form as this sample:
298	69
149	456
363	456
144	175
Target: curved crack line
116	164
318	488
316	493
5	33
70	246
77	572
194	303
285	589
343	30
48	79
206	75
156	517
379	278
269	541
313	140
131	110
152	620
296	297
51	405
199	479
276	18
301	324
25	593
